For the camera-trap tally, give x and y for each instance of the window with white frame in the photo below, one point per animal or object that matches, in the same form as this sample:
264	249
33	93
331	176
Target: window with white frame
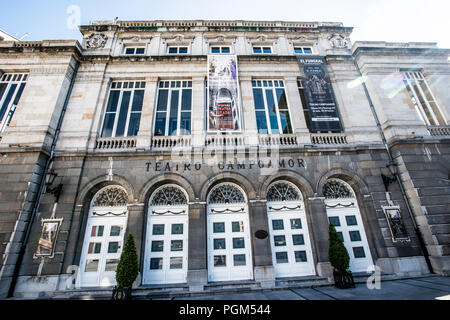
177	50
173	108
134	50
303	50
423	99
11	88
271	107
123	109
220	49
262	49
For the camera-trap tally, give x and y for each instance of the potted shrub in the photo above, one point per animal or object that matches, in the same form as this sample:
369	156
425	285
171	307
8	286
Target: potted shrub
340	260
127	270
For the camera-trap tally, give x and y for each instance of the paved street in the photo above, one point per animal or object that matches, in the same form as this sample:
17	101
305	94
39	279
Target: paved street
426	288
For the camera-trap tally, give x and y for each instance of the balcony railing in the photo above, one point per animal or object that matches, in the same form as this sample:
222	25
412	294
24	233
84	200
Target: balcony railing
225	140
115	143
439	130
329	138
168	142
282	140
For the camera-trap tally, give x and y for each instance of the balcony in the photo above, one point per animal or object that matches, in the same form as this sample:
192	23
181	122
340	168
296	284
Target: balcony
115	143
229	140
439	130
329	138
169	142
278	140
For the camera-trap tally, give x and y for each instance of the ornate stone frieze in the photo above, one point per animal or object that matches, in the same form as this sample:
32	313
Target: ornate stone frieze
96	40
339	41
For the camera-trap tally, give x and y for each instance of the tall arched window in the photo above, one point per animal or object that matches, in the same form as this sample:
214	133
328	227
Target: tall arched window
229	247
343	212
166	249
289	235
103	240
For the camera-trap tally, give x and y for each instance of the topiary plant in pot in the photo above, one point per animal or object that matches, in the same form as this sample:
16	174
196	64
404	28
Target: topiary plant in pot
340	260
127	270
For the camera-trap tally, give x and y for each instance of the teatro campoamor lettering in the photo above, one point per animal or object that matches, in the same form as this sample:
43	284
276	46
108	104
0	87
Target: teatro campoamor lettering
167	166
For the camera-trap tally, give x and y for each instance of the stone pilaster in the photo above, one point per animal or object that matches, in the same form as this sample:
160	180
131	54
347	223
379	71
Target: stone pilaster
148	107
262	254
319	234
197	275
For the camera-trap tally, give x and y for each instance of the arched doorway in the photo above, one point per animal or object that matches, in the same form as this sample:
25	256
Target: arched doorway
289	234
229	248
103	240
166	246
343	212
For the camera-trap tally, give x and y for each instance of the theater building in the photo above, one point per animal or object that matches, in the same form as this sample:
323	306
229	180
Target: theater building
226	148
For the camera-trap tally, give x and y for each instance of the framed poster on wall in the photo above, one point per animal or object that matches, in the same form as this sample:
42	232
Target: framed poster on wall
47	239
395	222
224	102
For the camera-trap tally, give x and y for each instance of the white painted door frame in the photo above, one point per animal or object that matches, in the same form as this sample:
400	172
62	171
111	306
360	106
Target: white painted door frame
229	244
102	246
351	227
289	239
166	245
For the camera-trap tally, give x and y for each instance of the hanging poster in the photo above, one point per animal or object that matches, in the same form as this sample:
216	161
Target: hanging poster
224	110
319	95
395	221
47	240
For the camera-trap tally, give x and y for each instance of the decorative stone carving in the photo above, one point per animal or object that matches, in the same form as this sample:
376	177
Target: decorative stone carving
168	196
96	40
339	41
336	189
283	191
226	193
261	38
111	197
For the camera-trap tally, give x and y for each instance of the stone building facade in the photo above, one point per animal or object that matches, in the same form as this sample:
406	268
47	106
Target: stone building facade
122	120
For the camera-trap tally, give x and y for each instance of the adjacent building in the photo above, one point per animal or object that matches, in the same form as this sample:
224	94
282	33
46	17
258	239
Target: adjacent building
226	148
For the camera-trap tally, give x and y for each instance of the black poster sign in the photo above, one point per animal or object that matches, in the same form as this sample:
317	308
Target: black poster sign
323	113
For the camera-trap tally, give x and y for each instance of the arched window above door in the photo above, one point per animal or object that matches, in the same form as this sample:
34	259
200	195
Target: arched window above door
112	196
283	191
226	193
337	189
168	195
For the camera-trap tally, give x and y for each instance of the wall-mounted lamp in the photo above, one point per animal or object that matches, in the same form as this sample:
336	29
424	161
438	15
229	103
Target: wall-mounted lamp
49	179
393	169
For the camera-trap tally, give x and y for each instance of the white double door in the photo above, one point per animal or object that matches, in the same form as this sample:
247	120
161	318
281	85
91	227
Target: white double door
229	247
289	240
166	249
102	247
349	226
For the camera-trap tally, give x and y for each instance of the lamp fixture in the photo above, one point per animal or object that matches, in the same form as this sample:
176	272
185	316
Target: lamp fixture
393	170
50	177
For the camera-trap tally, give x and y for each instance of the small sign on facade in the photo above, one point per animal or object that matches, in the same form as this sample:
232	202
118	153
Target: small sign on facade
396	225
47	239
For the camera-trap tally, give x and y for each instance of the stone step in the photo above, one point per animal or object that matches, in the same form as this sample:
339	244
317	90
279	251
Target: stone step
301	281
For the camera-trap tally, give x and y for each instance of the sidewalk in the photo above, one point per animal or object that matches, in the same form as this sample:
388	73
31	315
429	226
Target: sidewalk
426	288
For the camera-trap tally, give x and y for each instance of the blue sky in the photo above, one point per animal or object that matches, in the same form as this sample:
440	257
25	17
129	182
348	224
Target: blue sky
387	20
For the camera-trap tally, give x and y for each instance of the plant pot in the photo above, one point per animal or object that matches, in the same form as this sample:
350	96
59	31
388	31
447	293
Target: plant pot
121	293
343	279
